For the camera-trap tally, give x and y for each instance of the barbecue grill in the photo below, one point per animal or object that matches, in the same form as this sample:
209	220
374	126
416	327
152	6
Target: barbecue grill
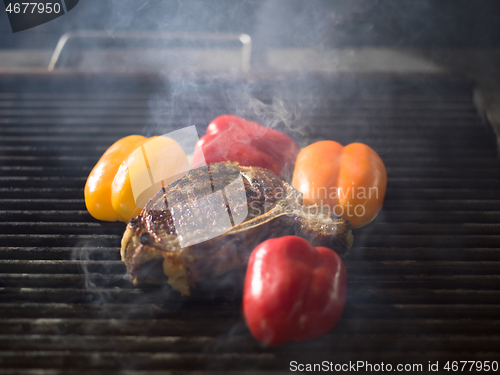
422	278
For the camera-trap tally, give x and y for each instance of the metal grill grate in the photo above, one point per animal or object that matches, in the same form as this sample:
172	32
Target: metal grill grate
423	278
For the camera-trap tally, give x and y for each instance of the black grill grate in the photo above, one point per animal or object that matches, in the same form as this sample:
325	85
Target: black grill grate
423	278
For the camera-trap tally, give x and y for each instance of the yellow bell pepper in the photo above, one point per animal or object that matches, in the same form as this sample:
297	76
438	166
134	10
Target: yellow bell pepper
154	164
98	187
132	164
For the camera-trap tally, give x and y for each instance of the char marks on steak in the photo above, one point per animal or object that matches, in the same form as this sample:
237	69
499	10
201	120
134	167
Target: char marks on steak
151	245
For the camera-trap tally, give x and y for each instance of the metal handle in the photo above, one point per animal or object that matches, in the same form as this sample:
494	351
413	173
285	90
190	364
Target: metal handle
246	41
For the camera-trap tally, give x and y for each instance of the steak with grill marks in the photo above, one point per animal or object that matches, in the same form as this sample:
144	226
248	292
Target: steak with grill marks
151	244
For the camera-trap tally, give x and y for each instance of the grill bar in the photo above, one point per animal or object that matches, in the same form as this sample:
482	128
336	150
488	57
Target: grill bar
450	278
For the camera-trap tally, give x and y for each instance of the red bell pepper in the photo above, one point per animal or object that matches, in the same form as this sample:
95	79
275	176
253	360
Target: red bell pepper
293	291
231	138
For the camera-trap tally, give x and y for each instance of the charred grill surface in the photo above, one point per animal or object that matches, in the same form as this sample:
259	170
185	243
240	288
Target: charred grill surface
274	209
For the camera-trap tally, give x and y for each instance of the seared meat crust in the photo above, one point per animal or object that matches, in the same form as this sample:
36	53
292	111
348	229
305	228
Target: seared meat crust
151	243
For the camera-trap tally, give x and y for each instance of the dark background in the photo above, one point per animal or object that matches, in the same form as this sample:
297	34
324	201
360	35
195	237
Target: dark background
289	23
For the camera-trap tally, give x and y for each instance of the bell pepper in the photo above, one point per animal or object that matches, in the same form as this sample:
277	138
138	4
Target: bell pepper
132	160
231	138
351	181
154	164
98	186
293	290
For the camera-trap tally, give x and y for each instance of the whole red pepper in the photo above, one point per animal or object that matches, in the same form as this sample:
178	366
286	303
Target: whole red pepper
293	291
231	138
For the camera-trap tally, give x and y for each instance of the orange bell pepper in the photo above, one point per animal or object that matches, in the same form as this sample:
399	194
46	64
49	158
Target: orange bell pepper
351	181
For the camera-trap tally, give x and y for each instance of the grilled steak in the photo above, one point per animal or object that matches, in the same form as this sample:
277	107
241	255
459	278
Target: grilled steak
161	244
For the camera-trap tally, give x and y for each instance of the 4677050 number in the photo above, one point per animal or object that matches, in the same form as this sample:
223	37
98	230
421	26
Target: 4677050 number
33	8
